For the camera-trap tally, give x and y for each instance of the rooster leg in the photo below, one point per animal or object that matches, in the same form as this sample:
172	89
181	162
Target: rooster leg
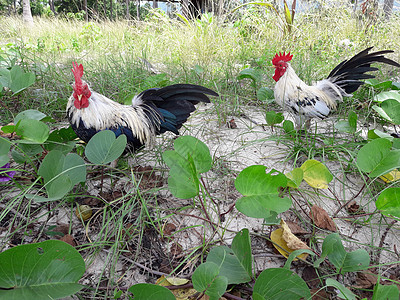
302	123
299	121
308	124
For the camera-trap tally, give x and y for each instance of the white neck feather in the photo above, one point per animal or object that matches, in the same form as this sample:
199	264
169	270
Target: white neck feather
103	113
286	84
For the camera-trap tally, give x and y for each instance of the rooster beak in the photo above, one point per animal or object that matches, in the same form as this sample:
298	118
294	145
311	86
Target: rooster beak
79	97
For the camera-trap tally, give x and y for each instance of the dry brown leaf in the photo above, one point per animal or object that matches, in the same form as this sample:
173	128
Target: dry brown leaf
92	201
311	277
176	249
365	280
63	228
321	218
295	228
169	228
7	135
319	294
231	124
353	208
292	241
280	244
69	239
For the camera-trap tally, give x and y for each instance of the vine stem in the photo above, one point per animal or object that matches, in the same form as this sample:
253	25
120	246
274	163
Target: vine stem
347	202
140	265
206	213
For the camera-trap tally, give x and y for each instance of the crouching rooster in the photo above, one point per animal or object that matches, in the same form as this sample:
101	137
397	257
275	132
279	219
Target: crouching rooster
318	100
153	111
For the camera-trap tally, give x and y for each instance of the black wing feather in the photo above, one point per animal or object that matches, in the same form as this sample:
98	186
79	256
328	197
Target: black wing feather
173	104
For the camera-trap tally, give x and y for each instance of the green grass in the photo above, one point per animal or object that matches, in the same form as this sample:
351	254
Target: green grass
111	52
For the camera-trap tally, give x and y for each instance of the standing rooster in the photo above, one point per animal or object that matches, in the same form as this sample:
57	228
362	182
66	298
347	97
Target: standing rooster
309	101
153	111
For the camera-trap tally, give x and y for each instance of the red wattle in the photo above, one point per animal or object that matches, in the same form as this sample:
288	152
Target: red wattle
277	75
81	104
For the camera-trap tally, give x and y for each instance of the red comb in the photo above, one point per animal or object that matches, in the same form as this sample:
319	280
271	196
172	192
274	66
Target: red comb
282	57
78	72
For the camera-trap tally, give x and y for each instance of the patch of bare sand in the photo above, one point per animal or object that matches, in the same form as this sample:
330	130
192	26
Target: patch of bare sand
249	144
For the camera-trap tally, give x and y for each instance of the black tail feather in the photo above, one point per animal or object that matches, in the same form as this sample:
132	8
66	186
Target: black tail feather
348	73
163	94
174	103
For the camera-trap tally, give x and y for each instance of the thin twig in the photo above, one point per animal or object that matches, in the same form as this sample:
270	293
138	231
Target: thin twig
177	287
230	296
355	216
207	215
298	204
335	196
228	211
205	220
383	239
140	265
212	199
243	115
347	202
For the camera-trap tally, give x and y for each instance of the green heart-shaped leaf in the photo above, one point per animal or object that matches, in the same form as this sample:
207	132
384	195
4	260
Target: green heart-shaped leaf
20	80
60	174
387	95
377	158
32	114
385	292
188	145
389	202
235	264
295	177
280	284
342	260
190	158
250	73
273	118
32	131
265	93
46	270
145	291
260	191
206	279
4	150
183	181
392	109
104	147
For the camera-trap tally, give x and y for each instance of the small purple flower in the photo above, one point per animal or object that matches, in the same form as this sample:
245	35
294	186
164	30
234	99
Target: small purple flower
6	176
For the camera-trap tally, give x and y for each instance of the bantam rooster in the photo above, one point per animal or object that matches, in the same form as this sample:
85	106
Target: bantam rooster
153	111
309	101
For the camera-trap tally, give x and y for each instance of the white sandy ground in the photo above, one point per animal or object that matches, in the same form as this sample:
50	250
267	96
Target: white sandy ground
233	150
248	144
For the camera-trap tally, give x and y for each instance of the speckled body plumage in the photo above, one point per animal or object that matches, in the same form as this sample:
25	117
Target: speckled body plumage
318	100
